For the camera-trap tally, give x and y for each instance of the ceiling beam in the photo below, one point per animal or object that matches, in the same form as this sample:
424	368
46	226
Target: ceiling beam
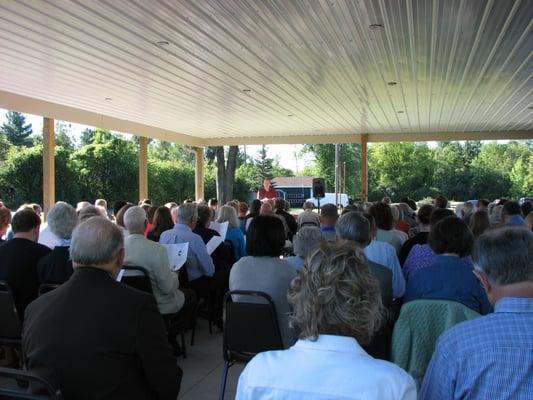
12	101
30	105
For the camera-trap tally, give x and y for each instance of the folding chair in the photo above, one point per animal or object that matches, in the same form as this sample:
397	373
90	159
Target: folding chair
250	327
23	385
138	278
47	287
11	326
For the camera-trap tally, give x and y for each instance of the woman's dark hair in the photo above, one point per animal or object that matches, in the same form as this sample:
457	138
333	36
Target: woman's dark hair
438	214
150	214
120	214
526	208
162	221
205	213
382	215
265	236
255	206
117	205
424	213
441	202
451	235
479	223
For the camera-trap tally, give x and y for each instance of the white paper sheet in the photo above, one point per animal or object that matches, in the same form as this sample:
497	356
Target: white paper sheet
120	274
221	228
213	244
177	254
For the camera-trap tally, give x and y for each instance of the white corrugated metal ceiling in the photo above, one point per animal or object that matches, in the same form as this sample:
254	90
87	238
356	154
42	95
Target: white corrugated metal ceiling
243	68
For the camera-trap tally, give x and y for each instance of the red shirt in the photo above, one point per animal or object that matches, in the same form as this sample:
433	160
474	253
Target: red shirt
262	193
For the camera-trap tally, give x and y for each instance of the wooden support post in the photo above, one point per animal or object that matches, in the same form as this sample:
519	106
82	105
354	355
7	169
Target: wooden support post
49	181
364	173
199	174
143	167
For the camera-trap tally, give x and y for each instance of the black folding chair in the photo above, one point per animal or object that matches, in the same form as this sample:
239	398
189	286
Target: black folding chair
47	287
137	277
250	327
10	326
17	384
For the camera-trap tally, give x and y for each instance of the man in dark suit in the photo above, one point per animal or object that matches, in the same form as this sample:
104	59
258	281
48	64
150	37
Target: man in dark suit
19	257
94	338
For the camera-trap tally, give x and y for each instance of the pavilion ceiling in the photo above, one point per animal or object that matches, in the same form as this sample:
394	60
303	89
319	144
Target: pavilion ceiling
245	70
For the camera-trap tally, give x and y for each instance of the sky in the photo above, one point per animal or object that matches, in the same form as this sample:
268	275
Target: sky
288	155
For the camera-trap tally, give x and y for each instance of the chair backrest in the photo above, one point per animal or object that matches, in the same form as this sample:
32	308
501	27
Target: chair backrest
23	386
137	277
47	287
420	324
10	326
249	327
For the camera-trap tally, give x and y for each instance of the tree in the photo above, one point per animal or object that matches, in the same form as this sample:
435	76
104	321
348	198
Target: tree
63	135
107	168
225	172
16	129
87	136
166	151
263	164
324	165
399	170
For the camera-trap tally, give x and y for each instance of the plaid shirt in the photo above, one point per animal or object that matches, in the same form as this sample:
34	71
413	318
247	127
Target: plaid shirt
487	358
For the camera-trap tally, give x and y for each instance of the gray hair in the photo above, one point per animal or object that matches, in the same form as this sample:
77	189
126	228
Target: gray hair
355	227
135	220
505	255
95	241
305	239
89	212
228	213
186	213
62	219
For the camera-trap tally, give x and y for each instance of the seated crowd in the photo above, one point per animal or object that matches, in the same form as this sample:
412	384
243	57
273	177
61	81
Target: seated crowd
345	285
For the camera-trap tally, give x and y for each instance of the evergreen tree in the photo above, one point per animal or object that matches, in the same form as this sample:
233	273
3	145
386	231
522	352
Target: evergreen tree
16	130
263	164
87	136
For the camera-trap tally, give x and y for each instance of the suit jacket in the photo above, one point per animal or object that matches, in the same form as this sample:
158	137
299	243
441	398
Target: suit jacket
384	277
145	253
18	267
95	338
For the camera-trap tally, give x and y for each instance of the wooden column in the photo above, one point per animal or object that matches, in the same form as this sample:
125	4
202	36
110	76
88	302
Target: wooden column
143	167
49	181
364	172
199	174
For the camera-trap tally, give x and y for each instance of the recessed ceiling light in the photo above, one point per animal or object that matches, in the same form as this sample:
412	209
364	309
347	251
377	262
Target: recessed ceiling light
290	115
247	90
162	43
530	108
392	83
375	27
108	99
400	112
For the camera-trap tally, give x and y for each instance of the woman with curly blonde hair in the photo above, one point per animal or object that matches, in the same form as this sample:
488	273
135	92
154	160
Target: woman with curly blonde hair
336	308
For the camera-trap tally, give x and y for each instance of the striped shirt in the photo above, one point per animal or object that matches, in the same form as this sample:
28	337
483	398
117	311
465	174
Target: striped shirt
487	358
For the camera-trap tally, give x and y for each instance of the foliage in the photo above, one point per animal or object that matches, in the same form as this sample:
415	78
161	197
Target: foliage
324	166
169	181
107	168
264	164
399	169
16	130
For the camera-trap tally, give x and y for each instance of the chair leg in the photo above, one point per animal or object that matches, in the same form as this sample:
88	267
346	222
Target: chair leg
183	349
223	380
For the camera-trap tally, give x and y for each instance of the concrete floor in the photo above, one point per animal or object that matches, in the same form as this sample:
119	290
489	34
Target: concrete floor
202	369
